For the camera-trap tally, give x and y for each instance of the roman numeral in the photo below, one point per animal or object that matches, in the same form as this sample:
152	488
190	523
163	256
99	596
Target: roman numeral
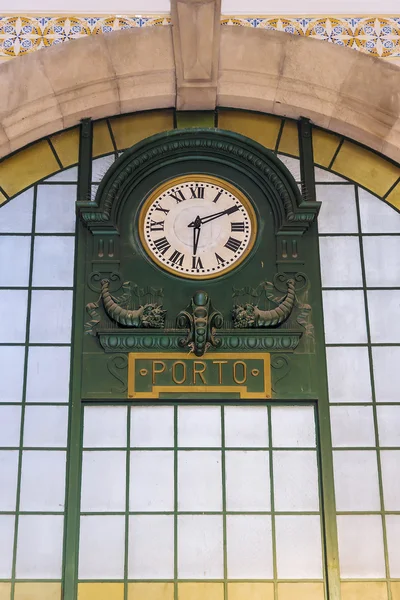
178	196
162	245
233	244
220	261
158	206
196	263
217	197
237	226
197	192
177	258
156	225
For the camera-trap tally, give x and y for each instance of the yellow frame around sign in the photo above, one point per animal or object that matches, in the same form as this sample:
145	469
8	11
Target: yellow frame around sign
195	389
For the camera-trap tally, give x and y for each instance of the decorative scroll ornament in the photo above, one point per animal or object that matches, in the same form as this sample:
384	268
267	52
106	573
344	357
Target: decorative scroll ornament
201	319
249	315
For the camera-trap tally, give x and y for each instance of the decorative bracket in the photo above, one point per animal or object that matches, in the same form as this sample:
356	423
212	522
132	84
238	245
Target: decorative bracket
201	319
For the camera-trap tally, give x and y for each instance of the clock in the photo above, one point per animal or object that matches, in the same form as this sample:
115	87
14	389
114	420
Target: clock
197	226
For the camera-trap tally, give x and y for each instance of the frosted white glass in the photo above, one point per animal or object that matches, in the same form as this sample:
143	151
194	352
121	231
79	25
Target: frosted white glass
246	426
348	374
16	215
46	426
48	374
327	176
344	317
55	210
12	376
352	426
376	216
390	464
386	363
200	547
361	546
7	524
8	479
295	481
298	546
384	308
338	212
39	547
13	305
15	254
293	164
93	191
152	426
10	425
247	481
393	537
388	425
356	480
43	481
103	481
100	167
105	427
382	260
199	481
249	546
293	426
53	261
199	426
151	547
340	261
152	481
101	547
51	316
68	175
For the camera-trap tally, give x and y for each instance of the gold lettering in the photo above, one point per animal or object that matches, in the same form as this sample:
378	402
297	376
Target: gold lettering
219	363
174	368
235	377
155	371
199	372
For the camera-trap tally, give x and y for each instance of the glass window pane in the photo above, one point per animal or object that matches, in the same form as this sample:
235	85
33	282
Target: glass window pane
13	303
348	374
8	479
390	462
295	481
386	363
356	480
376	216
16	215
382	261
48	374
246	426
46	426
199	426
43	481
10	425
101	547
352	426
103	481
384	306
67	175
200	547
199	481
51	316
39	547
152	426
389	425
344	317
293	164
327	176
247	481
53	261
249	546
105	427
152	481
12	359
151	547
340	262
7	525
15	252
100	166
361	546
293	426
55	210
298	547
393	537
338	211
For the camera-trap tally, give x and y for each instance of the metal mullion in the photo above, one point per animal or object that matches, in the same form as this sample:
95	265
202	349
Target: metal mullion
374	411
175	502
224	530
127	496
272	501
34	448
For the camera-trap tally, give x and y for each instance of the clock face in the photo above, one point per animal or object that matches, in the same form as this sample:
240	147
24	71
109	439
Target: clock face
197	227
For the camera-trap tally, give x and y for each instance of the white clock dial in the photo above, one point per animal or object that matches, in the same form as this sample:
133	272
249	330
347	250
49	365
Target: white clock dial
197	227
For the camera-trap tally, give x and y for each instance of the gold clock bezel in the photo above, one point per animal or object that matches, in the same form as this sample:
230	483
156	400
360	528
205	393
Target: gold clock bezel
175	181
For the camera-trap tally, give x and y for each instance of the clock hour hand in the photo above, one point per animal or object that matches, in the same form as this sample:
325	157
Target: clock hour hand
196	224
228	211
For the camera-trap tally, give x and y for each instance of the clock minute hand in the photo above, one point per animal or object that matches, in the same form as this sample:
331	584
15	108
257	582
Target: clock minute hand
228	211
